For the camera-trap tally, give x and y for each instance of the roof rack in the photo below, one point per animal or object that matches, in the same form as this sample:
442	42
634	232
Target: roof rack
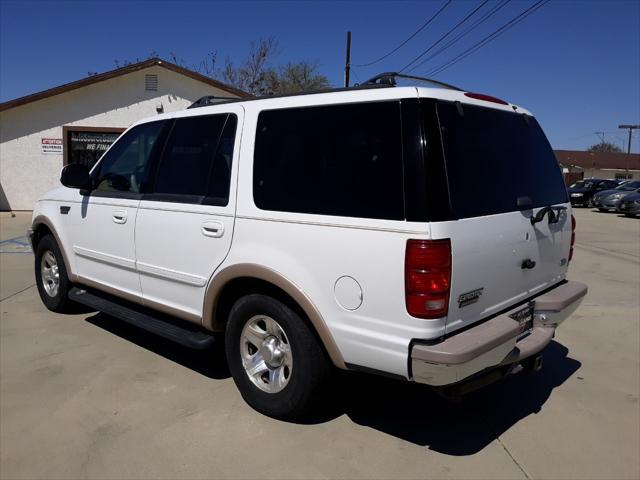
211	100
390	78
383	80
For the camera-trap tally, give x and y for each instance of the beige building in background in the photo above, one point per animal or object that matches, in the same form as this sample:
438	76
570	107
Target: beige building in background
77	121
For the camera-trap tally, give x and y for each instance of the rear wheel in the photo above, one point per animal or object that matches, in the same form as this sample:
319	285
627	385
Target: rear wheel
276	361
603	209
51	277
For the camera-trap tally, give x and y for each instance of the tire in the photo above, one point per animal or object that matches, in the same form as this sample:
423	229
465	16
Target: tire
53	283
291	365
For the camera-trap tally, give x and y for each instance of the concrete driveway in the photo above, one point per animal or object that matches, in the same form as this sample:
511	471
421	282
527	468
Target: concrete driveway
89	397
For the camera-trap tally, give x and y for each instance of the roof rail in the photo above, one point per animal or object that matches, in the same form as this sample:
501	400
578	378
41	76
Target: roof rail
211	100
390	78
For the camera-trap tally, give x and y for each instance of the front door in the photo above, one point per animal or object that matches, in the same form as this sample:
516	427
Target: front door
102	229
185	224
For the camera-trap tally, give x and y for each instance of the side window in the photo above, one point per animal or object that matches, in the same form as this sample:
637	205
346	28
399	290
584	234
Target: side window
341	160
125	167
196	160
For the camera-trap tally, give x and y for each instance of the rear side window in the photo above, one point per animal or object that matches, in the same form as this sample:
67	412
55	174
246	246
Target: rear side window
493	157
196	160
341	160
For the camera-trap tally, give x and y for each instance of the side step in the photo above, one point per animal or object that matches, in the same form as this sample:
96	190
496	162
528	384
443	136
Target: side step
189	335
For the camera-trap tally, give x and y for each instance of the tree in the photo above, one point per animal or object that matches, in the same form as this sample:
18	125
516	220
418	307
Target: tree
257	76
604	147
254	75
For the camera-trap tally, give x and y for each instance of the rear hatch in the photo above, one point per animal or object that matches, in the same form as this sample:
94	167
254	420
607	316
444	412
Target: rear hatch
496	161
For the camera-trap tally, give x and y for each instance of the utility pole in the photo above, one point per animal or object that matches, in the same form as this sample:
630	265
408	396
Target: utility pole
601	135
347	65
631	128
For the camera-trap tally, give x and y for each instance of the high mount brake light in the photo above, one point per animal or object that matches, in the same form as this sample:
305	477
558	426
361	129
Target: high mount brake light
486	98
427	269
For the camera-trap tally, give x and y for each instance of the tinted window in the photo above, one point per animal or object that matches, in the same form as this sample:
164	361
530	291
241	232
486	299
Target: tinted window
196	160
333	160
125	167
493	157
629	186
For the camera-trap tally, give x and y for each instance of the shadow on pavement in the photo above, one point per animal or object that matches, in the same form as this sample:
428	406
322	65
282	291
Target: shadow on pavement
414	413
210	362
417	414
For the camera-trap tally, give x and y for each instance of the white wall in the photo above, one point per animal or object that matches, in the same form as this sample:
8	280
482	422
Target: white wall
26	173
608	173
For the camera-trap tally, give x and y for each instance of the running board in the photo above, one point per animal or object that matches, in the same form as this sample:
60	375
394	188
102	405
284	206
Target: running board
189	335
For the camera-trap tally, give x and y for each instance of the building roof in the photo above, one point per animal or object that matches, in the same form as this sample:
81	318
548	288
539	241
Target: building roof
134	67
603	160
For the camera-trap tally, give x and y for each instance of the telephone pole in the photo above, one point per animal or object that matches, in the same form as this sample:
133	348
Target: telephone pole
601	135
631	128
347	65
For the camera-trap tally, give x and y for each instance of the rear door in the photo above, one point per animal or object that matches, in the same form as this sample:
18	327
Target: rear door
500	257
185	222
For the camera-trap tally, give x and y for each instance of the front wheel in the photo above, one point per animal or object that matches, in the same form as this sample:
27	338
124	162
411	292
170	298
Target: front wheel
51	276
274	357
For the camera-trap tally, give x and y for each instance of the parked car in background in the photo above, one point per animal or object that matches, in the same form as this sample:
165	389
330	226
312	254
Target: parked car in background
610	199
630	205
582	192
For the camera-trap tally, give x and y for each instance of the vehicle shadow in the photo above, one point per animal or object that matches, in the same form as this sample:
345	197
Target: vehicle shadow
210	362
408	411
417	414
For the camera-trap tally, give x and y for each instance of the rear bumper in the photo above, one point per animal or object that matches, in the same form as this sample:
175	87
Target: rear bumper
496	342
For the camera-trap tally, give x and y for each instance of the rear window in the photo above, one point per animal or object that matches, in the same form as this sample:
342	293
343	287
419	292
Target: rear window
493	157
343	160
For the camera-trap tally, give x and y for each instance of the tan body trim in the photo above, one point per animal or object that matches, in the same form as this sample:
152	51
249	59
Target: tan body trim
252	270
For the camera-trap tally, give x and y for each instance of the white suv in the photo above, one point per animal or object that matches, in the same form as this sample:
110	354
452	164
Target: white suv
422	233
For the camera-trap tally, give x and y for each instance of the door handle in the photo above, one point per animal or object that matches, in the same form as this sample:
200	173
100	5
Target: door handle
119	216
212	228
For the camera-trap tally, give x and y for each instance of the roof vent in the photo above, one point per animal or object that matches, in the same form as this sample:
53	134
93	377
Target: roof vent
151	82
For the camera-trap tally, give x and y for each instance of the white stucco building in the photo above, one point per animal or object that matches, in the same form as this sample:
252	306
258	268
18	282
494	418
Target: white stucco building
41	132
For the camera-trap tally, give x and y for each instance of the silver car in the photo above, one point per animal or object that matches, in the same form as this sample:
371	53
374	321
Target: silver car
610	199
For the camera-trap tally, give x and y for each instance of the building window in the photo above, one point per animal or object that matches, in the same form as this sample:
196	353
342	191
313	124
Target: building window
87	144
151	82
624	176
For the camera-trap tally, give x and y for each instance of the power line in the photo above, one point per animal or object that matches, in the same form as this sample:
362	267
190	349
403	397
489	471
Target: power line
424	25
445	35
454	40
488	38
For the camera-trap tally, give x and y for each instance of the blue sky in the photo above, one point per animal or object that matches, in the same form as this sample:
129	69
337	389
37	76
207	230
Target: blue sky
574	64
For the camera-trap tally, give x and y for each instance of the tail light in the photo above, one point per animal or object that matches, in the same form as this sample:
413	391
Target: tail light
573	236
427	271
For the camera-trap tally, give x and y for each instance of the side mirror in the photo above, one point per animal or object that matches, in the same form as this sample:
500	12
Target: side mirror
76	175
